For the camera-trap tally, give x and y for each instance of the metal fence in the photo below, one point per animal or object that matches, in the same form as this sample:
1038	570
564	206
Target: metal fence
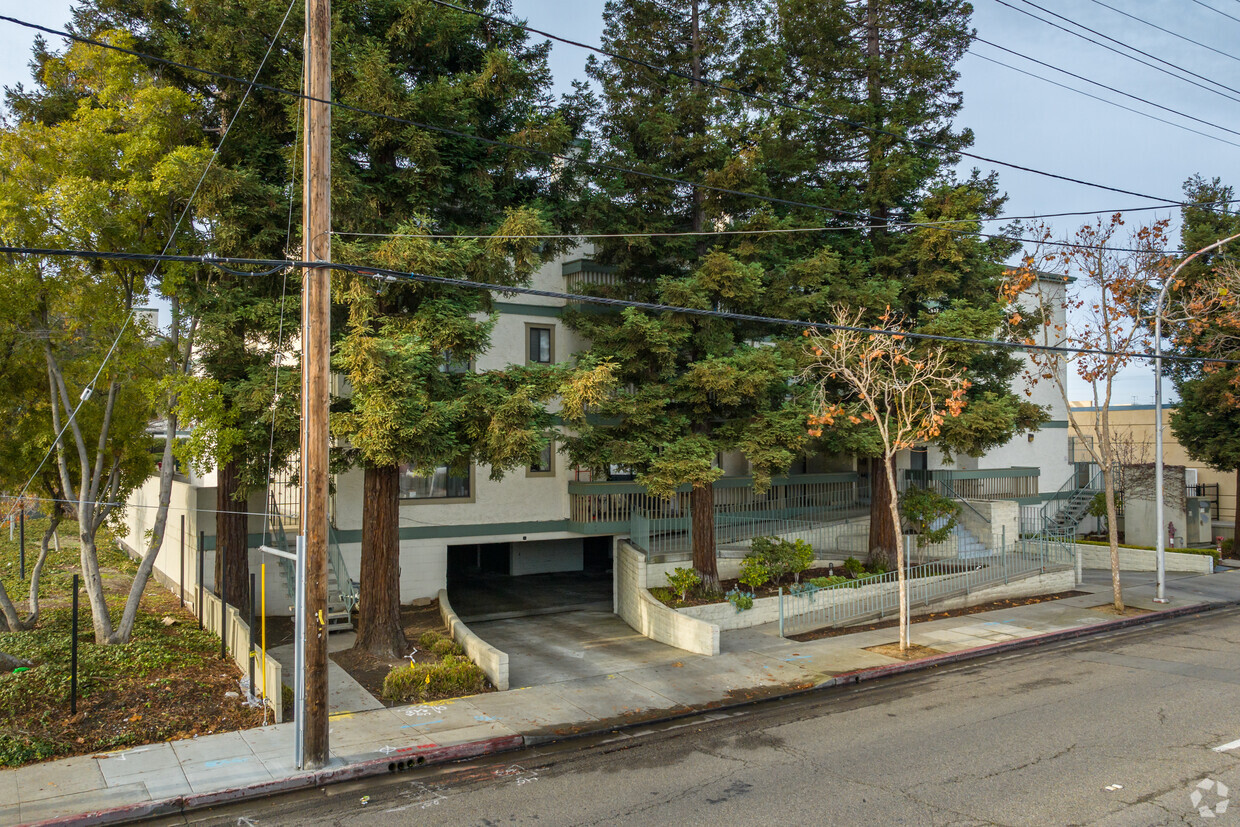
876	597
986	484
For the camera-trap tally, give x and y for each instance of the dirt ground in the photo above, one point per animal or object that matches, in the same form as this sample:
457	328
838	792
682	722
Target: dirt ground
370	671
1006	603
167	683
914	651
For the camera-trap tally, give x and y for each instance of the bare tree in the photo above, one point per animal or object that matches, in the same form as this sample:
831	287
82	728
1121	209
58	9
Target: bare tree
1102	317
902	390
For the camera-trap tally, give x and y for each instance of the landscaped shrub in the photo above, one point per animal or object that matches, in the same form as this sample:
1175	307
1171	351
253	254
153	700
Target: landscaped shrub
922	509
453	676
754	571
740	600
429	638
681	580
824	582
781	558
854	567
444	646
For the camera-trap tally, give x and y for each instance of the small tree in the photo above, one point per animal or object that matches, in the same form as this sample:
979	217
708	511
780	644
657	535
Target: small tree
1104	314
904	391
929	515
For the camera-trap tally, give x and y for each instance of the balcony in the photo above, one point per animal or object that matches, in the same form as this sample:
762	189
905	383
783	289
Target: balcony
988	484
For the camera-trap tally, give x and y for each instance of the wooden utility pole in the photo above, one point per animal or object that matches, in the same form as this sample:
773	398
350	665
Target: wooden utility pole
315	352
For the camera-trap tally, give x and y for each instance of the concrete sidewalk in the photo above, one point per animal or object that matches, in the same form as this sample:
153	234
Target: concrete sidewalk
756	663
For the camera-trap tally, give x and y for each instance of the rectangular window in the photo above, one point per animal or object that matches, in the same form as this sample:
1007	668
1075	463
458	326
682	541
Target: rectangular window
541	349
440	485
544	466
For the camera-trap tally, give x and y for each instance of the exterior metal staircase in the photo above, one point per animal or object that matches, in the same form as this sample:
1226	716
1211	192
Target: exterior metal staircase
1073	499
342	593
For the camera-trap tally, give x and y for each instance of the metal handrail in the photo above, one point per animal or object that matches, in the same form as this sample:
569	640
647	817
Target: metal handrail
813	607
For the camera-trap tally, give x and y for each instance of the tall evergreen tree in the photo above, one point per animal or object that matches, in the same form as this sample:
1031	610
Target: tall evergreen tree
881	74
692	387
1205	420
248	206
408	349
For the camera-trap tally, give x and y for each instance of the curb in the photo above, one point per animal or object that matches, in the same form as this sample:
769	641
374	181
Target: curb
409	758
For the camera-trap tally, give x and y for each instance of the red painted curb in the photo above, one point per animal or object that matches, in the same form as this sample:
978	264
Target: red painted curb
402	759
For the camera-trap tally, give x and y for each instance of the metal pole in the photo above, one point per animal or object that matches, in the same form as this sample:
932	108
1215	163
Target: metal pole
21	521
299	657
1160	542
73	652
250	650
781	611
223	619
182	561
202	554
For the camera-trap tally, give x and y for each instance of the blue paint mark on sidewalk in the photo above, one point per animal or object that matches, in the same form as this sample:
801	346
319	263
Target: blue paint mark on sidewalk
223	761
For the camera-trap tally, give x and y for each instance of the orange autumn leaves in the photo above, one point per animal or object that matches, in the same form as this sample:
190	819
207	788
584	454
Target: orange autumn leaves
861	375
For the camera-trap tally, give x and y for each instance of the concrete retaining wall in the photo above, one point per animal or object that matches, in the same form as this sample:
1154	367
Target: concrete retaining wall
1136	559
1049	583
239	631
650	617
766	609
492	661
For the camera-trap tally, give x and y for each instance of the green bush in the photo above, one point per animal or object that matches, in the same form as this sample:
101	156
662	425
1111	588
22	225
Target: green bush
782	558
682	580
1228	543
825	582
453	676
429	638
740	600
444	646
853	566
921	508
754	571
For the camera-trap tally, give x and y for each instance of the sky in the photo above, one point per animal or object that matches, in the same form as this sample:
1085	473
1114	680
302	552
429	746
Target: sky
1014	117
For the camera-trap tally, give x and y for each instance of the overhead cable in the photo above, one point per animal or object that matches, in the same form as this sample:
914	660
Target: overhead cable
391	275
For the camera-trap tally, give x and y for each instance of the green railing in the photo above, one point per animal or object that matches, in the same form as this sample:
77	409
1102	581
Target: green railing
986	484
812	506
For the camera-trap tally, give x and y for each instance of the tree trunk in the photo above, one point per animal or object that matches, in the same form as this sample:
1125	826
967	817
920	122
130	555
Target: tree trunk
1235	531
702	517
884	537
892	518
1108	488
232	556
379	629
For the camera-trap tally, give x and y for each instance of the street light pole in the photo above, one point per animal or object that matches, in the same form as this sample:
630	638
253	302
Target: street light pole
1160	541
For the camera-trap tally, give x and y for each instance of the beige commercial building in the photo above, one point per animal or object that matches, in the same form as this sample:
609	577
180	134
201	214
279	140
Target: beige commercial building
1133	428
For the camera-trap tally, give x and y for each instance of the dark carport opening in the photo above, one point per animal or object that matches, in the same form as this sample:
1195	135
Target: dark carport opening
491	581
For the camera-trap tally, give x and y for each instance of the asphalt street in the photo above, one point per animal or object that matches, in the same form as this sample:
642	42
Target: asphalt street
1113	730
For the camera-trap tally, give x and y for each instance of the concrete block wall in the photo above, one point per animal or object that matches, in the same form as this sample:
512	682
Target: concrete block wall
1135	559
650	617
490	660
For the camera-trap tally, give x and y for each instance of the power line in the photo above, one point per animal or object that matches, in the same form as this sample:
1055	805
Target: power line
1216	11
788	230
571	158
1101	99
789	105
1118	52
390	275
1168	31
1110	89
